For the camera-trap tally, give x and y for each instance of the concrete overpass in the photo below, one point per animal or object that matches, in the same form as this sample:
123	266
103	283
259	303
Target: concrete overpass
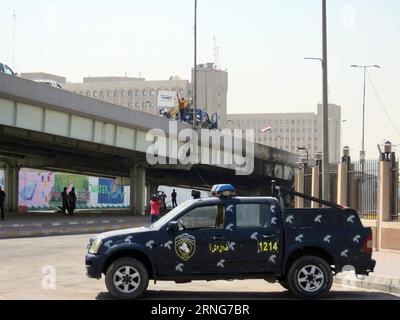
52	129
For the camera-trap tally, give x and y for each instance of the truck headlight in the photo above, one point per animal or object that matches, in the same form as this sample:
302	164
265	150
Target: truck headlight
95	246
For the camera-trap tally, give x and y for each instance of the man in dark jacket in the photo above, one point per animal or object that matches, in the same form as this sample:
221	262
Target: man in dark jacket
65	205
2	202
173	197
72	202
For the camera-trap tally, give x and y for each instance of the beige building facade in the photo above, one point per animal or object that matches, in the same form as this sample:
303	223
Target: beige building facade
133	93
291	131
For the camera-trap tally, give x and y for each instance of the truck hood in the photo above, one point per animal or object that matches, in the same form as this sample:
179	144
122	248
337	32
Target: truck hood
124	232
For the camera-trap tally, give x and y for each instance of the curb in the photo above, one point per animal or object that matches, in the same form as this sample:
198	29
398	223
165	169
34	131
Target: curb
372	282
64	231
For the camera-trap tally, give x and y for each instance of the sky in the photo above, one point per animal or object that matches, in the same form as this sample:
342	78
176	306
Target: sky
262	45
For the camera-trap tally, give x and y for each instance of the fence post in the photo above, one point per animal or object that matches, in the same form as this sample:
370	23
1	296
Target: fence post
384	192
299	181
343	178
315	182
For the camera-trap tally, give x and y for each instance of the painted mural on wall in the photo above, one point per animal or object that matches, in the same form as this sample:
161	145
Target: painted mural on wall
39	190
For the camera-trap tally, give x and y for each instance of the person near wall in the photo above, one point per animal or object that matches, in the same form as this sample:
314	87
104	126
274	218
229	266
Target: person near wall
65	204
2	203
72	202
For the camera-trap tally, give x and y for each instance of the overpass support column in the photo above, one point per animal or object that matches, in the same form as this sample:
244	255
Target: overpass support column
138	191
12	187
343	178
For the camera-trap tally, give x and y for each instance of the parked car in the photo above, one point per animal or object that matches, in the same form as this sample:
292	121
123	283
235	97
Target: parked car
226	238
50	83
6	69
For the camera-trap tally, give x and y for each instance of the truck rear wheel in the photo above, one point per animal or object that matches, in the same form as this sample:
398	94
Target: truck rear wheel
309	277
127	279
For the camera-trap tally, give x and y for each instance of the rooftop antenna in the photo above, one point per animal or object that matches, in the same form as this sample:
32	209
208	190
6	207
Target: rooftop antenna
216	52
14	35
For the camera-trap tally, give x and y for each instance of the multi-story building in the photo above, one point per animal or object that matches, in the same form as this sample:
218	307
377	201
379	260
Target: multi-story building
212	90
133	93
142	94
291	131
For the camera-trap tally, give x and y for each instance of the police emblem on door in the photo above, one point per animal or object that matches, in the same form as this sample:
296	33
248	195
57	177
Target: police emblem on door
185	246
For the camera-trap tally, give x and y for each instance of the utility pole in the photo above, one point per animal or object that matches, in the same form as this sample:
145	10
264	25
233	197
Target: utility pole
325	106
195	68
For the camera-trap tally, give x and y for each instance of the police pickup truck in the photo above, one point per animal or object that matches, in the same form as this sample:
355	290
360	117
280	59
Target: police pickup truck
227	237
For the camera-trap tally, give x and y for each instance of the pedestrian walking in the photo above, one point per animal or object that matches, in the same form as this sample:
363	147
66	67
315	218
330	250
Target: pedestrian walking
65	204
2	203
155	205
174	195
72	202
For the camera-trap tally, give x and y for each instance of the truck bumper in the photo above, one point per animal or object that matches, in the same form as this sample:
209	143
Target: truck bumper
367	268
94	266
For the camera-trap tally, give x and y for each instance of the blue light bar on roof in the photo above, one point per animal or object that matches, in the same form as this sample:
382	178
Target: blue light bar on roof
223	190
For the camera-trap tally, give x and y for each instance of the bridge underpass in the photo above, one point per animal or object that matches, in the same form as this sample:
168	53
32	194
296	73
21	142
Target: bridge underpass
50	129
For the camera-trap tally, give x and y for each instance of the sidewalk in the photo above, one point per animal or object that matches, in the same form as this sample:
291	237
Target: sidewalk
385	278
40	224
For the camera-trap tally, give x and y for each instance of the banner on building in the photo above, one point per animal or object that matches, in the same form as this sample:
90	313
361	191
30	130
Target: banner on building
166	99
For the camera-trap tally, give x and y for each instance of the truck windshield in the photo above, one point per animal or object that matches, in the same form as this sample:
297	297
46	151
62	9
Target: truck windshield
170	216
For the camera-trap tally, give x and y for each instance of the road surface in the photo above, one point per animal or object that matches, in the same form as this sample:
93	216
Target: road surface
53	268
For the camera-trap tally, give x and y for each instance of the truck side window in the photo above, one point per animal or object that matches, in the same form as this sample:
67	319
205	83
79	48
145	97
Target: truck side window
204	218
253	215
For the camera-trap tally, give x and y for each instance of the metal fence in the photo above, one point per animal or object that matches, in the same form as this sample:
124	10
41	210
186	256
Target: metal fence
363	188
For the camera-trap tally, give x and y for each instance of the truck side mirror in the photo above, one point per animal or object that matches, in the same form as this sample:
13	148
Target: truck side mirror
173	227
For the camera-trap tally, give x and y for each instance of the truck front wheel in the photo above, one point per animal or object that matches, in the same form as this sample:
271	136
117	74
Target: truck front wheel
309	277
127	279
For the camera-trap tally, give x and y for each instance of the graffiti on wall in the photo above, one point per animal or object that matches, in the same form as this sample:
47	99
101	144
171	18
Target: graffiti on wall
40	190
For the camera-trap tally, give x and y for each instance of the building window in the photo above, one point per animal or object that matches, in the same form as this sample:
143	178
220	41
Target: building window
122	93
137	105
88	93
145	93
137	93
116	93
152	93
130	93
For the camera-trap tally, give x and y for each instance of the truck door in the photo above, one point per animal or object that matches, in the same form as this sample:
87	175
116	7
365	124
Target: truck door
200	246
257	236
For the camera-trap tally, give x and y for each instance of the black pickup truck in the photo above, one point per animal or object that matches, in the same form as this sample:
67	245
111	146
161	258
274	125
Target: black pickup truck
227	237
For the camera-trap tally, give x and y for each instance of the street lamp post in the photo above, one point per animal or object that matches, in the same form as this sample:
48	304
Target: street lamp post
195	68
325	104
325	129
362	153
